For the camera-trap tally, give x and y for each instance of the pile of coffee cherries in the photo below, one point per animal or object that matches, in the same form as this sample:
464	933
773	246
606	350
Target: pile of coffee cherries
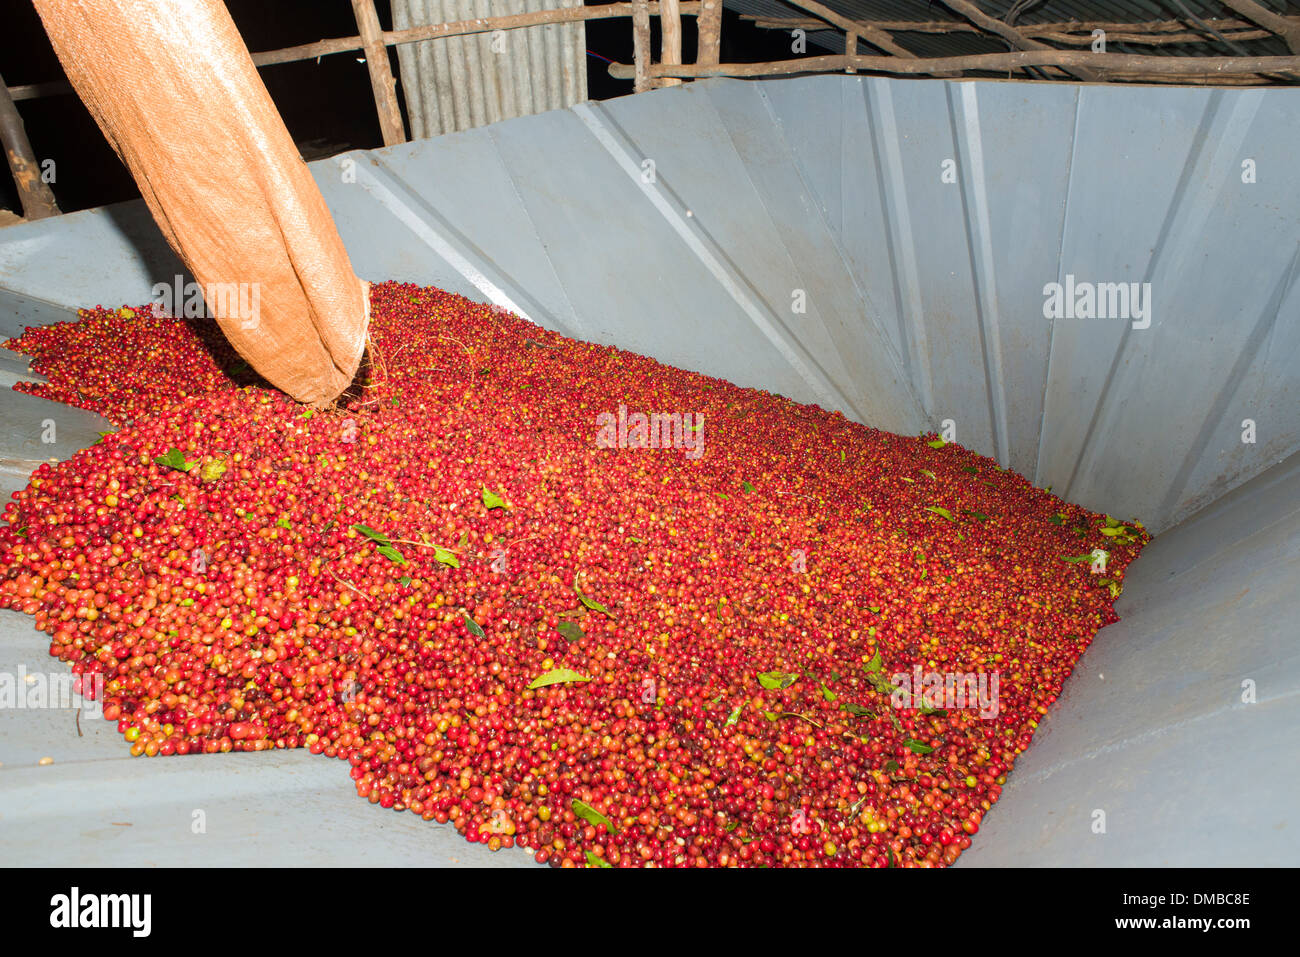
556	594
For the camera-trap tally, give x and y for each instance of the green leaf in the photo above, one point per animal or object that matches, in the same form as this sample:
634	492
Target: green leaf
917	747
841	455
827	693
282	522
1057	519
857	710
308	414
891	767
633	538
936	443
472	626
734	716
875	664
881	684
492	500
589	813
746	487
405	581
772	715
939	711
874	609
570	631
1076	559
776	680
978	516
213	470
591	603
1113	522
928	474
175	459
445	556
940	510
594	861
971	469
372	534
557	676
392	554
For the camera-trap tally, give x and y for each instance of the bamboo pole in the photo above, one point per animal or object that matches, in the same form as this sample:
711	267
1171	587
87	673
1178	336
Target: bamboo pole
382	81
34	193
670	38
1155	66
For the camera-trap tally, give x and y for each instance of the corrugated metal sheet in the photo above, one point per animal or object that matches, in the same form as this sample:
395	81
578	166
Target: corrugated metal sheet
1051	11
457	83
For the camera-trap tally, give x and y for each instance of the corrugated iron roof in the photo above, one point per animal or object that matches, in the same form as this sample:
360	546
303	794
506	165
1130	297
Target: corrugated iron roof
1049	11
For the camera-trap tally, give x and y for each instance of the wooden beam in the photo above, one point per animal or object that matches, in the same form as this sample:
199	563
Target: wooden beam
433	31
708	48
382	82
641	45
869	34
34	193
1013	36
1285	27
1151	39
604	11
1152	32
1155	66
1036	30
850	48
670	38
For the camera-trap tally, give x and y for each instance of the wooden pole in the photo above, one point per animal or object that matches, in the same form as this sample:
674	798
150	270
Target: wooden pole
433	31
1036	30
877	38
709	47
1288	28
1155	33
37	199
382	81
850	48
670	38
1164	67
1013	36
641	45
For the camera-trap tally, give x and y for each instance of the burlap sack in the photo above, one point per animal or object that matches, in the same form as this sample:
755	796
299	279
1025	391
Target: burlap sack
176	93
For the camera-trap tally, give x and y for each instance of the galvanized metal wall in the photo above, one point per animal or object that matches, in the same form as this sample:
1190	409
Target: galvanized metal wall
457	83
916	221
